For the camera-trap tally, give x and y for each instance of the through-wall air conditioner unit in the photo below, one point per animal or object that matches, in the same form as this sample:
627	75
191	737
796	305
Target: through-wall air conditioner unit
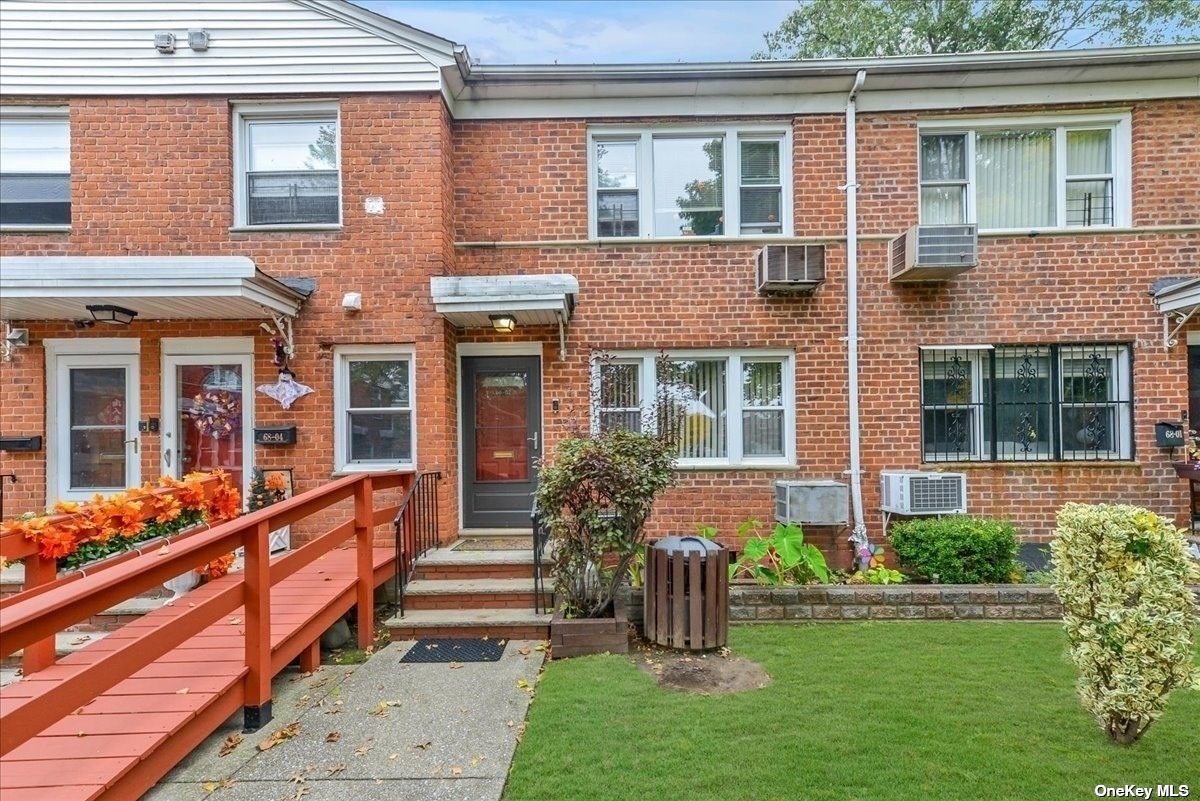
934	252
789	269
912	492
812	502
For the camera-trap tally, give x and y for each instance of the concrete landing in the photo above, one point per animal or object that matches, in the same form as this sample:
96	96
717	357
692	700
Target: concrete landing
380	730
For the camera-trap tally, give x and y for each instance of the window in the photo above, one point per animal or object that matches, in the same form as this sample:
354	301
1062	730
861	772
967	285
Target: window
671	183
1009	175
289	167
728	408
1026	403
373	401
35	171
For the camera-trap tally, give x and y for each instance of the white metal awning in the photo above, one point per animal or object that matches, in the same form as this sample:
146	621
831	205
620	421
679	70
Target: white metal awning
1177	300
157	288
471	301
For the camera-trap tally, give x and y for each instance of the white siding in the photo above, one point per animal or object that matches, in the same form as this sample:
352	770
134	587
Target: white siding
106	47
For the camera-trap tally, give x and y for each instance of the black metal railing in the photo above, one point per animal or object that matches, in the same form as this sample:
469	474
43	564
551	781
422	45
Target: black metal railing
417	530
541	535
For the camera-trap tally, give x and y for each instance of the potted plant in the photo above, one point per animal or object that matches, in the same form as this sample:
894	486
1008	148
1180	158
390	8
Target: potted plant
1189	468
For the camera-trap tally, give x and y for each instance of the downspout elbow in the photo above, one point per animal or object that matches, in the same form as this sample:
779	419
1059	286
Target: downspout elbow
859	79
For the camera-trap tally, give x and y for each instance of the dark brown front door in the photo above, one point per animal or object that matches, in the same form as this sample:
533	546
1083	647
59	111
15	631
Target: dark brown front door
502	424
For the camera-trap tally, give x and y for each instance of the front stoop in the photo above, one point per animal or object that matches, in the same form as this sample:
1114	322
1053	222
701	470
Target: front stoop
472	594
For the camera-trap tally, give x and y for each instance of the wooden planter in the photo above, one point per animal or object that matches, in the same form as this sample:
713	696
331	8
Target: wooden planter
583	636
1187	470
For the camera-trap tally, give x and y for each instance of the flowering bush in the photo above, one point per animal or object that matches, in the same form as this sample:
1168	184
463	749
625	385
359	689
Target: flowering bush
1122	575
76	533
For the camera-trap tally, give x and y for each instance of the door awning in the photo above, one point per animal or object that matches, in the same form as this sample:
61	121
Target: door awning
1177	300
157	288
472	301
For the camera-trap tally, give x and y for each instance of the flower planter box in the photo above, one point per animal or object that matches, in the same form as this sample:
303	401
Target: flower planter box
584	636
1187	470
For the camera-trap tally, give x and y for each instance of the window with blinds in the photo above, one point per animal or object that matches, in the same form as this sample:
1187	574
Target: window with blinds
289	168
674	183
727	408
1044	175
35	171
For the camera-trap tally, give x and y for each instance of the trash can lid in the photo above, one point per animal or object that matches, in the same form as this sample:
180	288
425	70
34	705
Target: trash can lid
687	545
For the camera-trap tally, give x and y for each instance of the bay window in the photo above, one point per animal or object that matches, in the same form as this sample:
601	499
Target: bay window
726	408
1020	174
1026	403
690	182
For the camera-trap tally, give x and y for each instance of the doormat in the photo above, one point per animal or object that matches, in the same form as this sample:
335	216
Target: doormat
437	649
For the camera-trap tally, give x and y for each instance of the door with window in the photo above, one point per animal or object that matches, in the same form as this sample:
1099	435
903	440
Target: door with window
96	417
502	425
207	411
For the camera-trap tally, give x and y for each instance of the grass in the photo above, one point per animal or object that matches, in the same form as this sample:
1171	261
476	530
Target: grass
896	711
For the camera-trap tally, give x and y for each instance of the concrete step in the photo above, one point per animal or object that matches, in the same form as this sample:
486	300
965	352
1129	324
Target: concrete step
509	624
486	593
449	564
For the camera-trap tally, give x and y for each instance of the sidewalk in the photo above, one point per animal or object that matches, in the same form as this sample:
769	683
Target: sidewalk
379	730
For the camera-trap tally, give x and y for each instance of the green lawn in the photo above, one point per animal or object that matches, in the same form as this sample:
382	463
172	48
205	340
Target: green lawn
894	711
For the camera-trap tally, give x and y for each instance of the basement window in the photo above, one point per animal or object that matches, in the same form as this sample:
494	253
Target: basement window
35	170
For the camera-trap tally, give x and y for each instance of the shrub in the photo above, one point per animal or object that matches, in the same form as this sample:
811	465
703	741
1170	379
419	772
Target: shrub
1121	574
957	550
782	558
595	499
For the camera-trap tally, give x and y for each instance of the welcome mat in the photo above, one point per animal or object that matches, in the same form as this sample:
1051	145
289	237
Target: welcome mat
436	649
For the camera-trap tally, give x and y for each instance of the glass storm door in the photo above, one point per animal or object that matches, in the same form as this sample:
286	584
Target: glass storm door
96	399
207	422
502	424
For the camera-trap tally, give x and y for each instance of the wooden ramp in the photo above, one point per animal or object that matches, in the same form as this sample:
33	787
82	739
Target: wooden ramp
110	720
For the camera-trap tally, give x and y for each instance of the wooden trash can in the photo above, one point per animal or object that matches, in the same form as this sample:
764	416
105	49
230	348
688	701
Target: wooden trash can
687	593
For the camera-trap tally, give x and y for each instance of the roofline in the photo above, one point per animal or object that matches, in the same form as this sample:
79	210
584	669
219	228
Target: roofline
386	27
937	63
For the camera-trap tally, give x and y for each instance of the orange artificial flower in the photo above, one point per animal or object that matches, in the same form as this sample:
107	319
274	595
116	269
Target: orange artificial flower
225	503
66	507
276	483
217	567
168	508
55	543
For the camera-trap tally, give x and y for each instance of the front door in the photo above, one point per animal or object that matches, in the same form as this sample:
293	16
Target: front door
502	429
207	410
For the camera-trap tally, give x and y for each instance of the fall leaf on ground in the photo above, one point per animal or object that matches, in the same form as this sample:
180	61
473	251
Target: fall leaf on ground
455	771
522	684
182	691
286	733
80	640
333	736
520	733
301	791
475	761
422	746
541	647
455	665
524	651
234	621
164	550
380	710
231	742
334	770
511	724
365	748
392	756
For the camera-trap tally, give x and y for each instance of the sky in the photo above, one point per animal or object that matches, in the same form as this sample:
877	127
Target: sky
588	32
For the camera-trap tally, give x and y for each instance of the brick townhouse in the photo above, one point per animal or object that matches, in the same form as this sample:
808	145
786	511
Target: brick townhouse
970	265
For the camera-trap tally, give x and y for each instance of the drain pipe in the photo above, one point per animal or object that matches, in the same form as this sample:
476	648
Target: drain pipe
858	536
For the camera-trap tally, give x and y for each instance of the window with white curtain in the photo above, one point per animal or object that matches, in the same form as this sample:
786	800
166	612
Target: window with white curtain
1016	174
35	170
671	182
731	408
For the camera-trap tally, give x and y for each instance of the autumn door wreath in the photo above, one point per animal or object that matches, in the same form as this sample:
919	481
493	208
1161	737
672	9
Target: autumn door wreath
215	414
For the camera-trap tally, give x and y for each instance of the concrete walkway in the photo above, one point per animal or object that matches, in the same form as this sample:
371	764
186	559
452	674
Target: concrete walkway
379	730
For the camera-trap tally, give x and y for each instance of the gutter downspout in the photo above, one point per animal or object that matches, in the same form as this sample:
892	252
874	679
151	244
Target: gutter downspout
858	536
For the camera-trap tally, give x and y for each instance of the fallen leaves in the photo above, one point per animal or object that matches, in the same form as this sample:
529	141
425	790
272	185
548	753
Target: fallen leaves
456	771
286	733
212	787
80	640
334	770
422	746
333	736
231	743
182	691
235	621
523	684
455	665
524	651
164	550
365	748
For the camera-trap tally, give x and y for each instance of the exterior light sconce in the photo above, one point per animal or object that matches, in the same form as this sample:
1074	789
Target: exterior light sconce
115	315
503	323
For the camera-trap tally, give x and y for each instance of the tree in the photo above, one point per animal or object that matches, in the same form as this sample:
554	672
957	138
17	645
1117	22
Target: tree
865	28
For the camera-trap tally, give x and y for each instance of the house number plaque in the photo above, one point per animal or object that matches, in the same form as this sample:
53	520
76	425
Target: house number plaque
279	435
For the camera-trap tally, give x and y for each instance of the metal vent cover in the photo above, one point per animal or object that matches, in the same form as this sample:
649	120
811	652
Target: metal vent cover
789	268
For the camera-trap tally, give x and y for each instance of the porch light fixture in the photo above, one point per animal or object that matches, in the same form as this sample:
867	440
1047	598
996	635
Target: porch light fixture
116	315
503	323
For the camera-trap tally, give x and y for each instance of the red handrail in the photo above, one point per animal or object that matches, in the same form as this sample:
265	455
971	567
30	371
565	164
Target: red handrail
27	620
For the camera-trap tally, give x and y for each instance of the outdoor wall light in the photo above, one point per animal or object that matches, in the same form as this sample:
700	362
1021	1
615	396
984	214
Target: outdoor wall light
503	323
116	315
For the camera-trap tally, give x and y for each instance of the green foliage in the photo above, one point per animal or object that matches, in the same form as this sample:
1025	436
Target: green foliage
594	499
91	551
1122	576
878	575
865	28
782	558
637	568
957	550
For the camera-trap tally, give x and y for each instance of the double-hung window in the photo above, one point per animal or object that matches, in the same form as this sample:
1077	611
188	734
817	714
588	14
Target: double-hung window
725	408
289	166
1025	173
35	169
375	424
730	181
1026	403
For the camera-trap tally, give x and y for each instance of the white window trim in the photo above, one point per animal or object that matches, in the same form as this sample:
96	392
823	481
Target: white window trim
244	113
734	133
1118	121
342	354
60	114
733	377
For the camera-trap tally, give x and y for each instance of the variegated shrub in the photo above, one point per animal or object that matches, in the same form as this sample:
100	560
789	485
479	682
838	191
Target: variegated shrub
1122	574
